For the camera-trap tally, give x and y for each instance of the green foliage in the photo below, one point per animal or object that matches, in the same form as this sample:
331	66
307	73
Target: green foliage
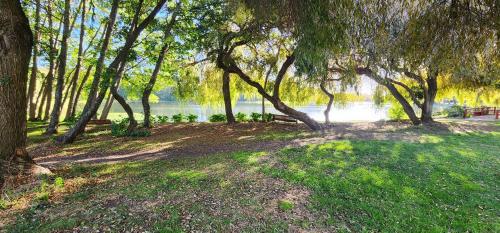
192	118
3	204
454	111
162	119
268	117
43	191
256	116
59	182
241	117
72	120
285	205
178	118
217	118
119	128
396	112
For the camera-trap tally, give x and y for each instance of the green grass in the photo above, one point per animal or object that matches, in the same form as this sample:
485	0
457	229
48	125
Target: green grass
444	183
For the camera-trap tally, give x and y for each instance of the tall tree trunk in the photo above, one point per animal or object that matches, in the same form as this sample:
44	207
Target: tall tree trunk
92	103
150	86
76	75
108	104
44	98
265	87
56	110
226	91
51	57
16	41
79	91
34	69
330	102
109	101
41	92
152	81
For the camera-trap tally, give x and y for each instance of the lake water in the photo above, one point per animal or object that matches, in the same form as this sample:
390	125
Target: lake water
357	111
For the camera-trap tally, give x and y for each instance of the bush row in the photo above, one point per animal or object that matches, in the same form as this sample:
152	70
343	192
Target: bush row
242	117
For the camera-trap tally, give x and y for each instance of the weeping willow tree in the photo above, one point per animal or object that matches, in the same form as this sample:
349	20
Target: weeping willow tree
405	46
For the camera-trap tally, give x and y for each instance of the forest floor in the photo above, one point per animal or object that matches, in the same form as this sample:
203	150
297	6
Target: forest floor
205	177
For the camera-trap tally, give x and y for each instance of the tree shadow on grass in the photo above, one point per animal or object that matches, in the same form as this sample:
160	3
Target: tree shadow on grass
442	183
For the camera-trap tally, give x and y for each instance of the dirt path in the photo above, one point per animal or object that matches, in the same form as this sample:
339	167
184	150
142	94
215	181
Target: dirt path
190	140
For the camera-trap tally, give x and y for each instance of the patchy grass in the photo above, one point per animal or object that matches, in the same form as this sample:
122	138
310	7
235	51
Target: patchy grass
443	183
440	183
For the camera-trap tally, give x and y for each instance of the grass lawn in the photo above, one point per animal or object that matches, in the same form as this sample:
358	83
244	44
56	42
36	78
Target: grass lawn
440	183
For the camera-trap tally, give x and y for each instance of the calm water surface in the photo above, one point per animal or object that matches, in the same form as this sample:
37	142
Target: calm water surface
357	111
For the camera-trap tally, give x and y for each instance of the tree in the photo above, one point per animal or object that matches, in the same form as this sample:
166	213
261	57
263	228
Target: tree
227	97
16	41
112	73
91	106
76	75
63	55
34	69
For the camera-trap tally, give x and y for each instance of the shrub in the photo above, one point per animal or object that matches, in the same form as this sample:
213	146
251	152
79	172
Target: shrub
256	116
396	112
454	111
72	120
268	117
162	119
59	182
178	118
241	116
119	128
192	118
217	118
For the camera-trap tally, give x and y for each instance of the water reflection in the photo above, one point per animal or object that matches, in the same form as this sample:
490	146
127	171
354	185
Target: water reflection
357	111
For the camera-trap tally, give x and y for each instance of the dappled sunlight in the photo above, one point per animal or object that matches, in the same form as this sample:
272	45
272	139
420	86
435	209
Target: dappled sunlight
373	176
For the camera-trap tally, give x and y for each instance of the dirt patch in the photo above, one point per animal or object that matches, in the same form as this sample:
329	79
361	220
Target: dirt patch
200	139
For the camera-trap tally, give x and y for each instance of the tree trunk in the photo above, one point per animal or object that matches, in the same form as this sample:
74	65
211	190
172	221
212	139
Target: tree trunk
107	106
76	75
156	71
109	101
16	41
407	107
40	95
56	110
44	98
79	91
93	104
429	97
410	112
226	91
150	86
34	69
51	57
330	102
114	90
274	99
112	70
